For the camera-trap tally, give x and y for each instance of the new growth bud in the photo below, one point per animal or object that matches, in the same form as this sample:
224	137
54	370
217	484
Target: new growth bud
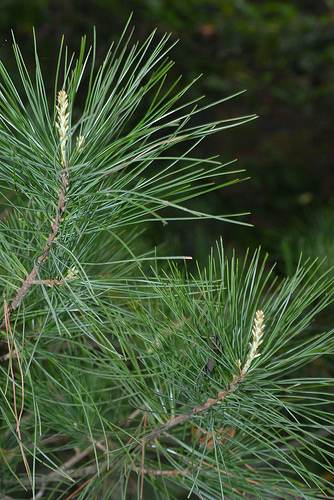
258	330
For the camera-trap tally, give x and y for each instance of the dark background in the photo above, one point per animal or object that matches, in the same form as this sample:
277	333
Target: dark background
282	52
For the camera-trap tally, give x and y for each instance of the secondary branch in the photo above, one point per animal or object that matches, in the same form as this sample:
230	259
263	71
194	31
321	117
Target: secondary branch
62	126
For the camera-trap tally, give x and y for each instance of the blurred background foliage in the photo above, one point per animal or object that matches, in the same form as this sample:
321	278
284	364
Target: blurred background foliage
282	52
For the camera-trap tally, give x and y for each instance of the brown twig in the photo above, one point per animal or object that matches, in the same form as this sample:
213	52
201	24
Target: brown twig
142	460
80	488
17	416
184	417
167	473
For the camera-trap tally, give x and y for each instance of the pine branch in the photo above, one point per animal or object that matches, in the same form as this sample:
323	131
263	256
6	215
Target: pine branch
62	126
127	376
258	331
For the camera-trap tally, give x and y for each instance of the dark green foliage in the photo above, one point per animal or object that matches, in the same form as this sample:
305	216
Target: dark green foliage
122	378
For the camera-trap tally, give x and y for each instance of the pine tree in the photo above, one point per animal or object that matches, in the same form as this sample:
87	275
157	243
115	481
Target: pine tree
123	374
